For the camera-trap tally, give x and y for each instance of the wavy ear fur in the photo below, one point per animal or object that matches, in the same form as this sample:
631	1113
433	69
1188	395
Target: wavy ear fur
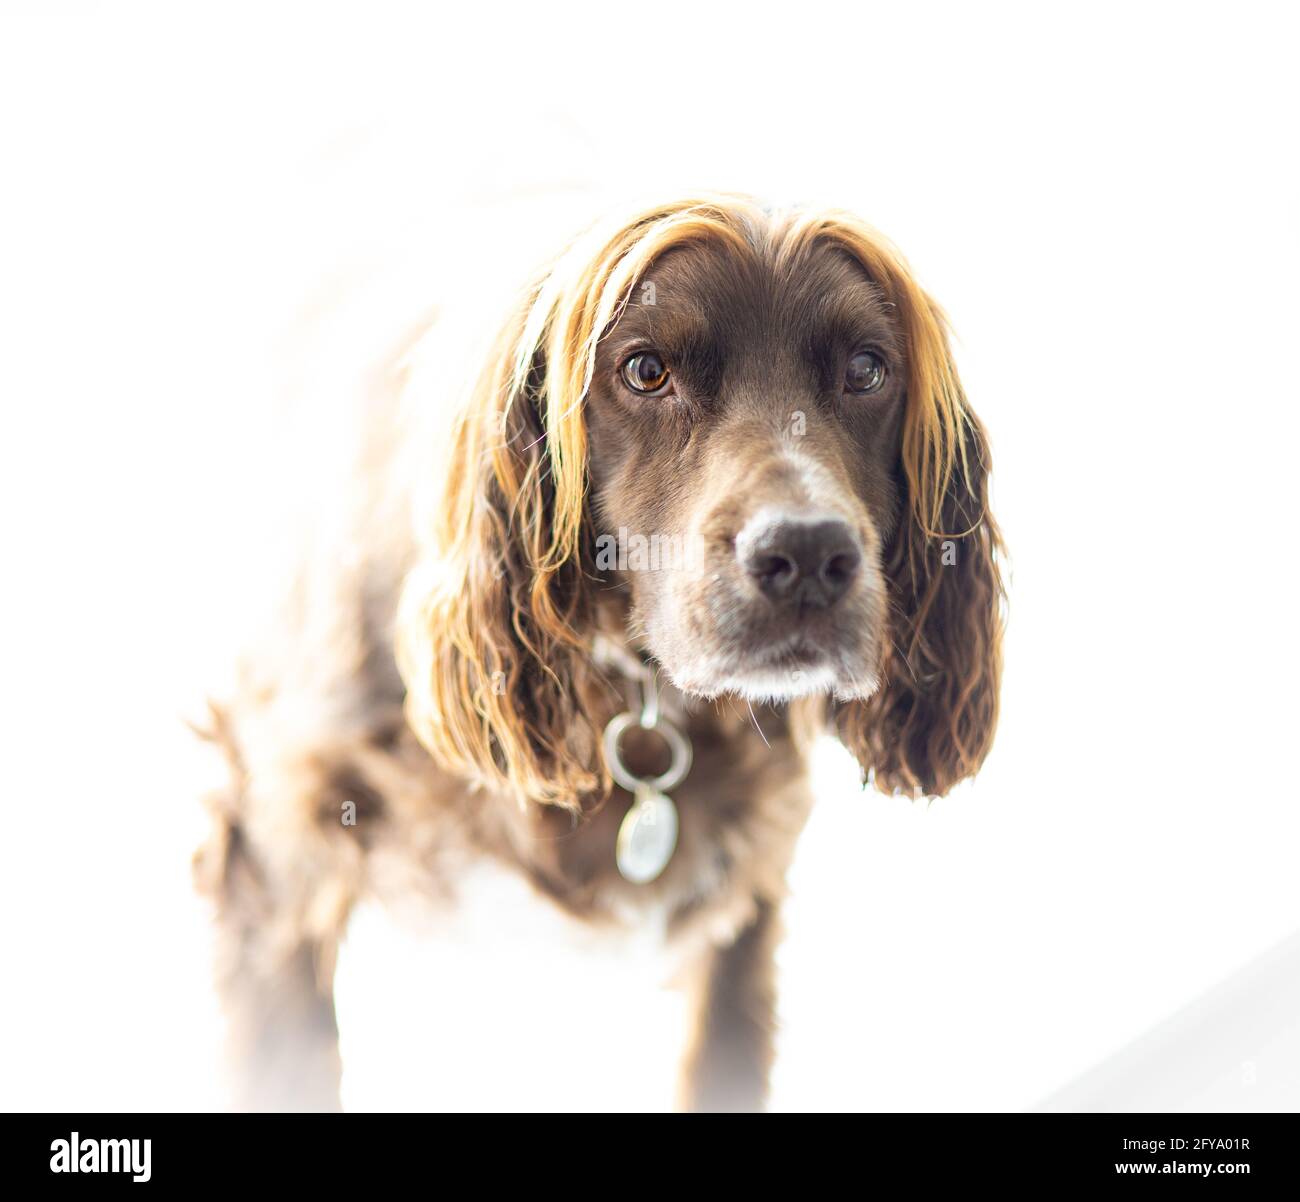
931	724
494	627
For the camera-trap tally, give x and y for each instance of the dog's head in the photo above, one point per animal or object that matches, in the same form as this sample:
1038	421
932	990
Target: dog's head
743	432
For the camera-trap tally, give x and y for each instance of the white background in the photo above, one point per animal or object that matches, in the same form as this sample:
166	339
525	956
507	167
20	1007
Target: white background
1105	201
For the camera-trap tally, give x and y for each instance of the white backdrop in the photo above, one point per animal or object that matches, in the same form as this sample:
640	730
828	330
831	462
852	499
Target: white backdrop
1106	204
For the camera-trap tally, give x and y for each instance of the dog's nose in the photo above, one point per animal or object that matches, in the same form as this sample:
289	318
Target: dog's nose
808	564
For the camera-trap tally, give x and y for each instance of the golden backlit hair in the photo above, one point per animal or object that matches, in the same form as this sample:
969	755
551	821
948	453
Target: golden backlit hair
495	627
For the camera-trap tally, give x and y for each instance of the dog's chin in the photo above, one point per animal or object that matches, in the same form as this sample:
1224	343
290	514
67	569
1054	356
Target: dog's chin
771	683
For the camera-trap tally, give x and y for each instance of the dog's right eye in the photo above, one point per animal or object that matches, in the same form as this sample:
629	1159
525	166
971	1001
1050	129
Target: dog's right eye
645	373
866	373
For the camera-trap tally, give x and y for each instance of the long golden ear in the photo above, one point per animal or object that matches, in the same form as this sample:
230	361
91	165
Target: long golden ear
495	622
932	722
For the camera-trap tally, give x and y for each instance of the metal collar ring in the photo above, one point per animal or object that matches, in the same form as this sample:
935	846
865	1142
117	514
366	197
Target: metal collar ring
678	745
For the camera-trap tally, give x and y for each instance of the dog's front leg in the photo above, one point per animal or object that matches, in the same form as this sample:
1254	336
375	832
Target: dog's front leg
276	981
734	1000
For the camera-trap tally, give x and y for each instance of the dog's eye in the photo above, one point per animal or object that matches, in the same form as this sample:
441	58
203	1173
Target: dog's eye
865	373
645	373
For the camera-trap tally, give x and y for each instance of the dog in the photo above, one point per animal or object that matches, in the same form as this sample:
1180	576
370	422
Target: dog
714	490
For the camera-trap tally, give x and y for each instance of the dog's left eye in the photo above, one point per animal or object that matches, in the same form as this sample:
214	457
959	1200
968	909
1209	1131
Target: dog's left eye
865	373
645	373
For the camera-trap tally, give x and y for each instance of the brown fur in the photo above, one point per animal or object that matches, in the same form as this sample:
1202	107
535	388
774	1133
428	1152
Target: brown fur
487	745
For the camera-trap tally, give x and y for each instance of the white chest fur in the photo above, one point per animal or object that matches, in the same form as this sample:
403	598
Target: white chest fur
504	1003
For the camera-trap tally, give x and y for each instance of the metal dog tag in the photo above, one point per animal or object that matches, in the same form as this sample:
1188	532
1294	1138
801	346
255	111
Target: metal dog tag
647	837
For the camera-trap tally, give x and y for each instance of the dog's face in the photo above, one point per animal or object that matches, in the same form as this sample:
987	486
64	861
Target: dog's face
754	416
744	425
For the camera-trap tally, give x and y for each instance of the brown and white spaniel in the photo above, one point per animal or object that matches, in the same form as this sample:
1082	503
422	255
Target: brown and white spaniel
718	473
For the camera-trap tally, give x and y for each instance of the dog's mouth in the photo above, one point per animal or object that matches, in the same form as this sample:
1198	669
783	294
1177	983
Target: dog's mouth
796	654
797	666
